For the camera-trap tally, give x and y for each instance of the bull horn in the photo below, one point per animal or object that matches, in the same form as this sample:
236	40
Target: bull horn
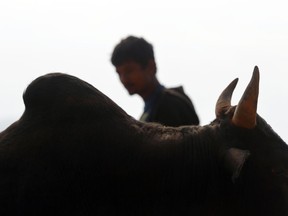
246	111
224	100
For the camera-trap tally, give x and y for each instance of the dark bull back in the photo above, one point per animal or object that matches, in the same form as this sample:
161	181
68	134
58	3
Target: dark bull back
75	152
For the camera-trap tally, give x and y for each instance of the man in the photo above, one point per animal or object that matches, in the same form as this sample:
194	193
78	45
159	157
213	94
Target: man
134	61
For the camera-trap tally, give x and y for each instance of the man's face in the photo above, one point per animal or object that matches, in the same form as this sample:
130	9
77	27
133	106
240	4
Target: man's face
134	77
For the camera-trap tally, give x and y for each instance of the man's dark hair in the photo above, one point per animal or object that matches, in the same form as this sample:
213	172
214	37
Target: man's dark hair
132	49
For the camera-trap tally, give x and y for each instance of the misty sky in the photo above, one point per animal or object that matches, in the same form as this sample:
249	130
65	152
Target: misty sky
202	45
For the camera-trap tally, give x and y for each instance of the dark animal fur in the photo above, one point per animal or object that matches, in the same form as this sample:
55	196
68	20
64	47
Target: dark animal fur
75	152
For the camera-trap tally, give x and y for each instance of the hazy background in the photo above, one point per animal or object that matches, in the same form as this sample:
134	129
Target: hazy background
202	45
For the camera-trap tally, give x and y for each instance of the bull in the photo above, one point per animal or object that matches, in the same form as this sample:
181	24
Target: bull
75	152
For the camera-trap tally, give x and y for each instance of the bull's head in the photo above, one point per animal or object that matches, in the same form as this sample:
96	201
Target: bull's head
257	154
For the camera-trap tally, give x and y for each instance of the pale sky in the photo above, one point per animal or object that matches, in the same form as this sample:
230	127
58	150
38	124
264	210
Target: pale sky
202	45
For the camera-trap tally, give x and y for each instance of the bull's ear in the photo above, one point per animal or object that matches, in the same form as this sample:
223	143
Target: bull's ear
234	160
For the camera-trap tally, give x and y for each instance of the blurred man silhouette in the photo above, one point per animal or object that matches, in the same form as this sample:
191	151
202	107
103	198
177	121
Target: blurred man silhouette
134	61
